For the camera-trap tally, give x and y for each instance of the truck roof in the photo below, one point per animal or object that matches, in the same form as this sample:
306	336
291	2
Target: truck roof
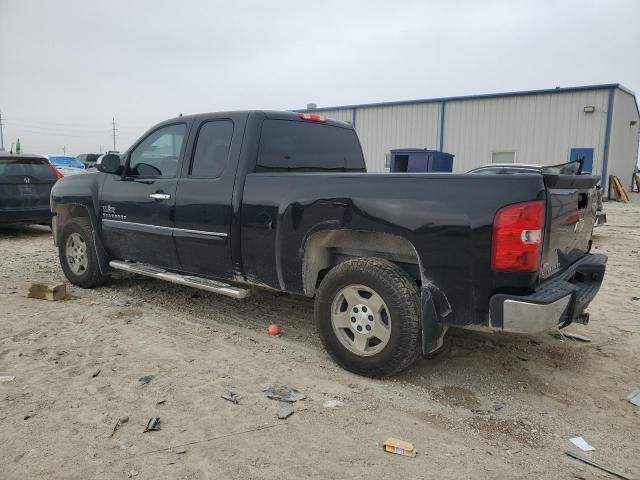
272	114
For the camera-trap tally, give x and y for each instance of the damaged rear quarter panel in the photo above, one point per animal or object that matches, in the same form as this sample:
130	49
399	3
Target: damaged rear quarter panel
446	217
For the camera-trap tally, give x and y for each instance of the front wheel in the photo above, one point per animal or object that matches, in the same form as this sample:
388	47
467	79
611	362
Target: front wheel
368	317
77	254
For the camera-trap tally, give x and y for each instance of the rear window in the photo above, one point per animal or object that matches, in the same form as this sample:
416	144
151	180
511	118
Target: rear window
26	167
287	145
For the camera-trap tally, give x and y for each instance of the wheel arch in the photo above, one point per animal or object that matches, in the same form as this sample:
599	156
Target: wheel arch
67	211
326	249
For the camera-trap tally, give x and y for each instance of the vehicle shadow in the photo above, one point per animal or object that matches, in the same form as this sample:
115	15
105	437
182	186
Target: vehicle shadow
24	231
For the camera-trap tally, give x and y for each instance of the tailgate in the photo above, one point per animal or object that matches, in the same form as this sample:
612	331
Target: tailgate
572	202
25	183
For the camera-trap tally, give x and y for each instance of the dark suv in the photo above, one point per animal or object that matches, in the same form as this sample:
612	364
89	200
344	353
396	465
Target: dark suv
25	186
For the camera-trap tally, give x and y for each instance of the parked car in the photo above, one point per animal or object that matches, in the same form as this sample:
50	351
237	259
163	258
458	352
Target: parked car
570	168
67	164
229	202
25	186
88	159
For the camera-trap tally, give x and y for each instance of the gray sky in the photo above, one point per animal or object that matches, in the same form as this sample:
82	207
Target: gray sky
68	66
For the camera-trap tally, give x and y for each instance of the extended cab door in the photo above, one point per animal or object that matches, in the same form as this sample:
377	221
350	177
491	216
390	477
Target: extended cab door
138	208
203	198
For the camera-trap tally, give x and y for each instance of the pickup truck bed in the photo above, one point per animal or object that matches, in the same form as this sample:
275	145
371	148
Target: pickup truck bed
283	201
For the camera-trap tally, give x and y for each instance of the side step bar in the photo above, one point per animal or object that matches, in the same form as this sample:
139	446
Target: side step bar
190	281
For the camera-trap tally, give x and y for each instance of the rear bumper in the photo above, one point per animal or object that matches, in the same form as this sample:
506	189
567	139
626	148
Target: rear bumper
24	217
555	303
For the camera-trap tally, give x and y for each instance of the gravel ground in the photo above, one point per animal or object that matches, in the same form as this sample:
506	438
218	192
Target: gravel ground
488	406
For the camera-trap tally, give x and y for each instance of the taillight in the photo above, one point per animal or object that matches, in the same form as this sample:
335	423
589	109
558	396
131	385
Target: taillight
58	173
312	117
518	231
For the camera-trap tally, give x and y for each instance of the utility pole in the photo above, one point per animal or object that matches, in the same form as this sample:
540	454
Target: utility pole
114	130
1	135
64	149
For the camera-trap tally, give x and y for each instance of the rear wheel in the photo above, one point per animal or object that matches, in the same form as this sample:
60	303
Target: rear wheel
368	318
77	254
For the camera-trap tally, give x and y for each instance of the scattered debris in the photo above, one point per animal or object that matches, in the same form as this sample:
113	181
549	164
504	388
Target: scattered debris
285	412
635	299
96	373
597	465
576	336
42	291
133	473
181	451
153	425
121	421
582	444
634	397
283	393
232	397
399	447
498	406
7	378
332	404
27	417
161	402
523	357
146	379
119	302
274	330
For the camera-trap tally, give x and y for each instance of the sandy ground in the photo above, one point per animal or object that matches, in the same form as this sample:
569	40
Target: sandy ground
489	406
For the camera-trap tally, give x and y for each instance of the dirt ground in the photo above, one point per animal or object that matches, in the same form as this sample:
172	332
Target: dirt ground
489	406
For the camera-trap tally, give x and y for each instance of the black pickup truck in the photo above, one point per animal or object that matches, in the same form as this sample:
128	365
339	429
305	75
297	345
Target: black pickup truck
228	202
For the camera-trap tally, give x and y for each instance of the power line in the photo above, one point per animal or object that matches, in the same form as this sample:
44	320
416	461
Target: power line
113	126
1	134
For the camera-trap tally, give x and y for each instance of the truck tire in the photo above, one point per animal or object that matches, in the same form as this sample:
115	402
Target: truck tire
367	315
77	254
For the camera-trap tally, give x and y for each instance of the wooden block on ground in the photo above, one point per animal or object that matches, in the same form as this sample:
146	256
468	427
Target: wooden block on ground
44	291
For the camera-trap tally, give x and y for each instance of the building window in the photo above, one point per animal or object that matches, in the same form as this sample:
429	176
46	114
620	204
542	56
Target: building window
503	157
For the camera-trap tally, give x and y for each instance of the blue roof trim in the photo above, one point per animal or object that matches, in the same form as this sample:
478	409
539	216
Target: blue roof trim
605	86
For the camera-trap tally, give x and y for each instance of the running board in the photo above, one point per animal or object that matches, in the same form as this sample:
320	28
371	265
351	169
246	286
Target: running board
190	281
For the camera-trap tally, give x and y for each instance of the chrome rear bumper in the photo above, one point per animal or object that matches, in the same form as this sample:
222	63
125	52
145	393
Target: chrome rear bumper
555	303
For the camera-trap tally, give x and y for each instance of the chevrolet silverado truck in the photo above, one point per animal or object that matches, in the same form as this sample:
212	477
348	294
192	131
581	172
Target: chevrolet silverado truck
234	201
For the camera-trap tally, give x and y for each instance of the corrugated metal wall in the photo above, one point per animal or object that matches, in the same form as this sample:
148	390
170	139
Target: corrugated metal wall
383	128
623	144
541	128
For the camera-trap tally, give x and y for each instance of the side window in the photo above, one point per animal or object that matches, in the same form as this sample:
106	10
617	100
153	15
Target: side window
212	149
158	155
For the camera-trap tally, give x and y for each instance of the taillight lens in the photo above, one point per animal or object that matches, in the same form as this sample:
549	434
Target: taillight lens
518	232
312	117
58	173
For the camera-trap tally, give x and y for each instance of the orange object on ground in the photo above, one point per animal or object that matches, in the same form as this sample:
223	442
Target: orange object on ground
274	330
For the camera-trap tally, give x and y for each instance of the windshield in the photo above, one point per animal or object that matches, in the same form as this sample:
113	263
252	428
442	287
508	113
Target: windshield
65	161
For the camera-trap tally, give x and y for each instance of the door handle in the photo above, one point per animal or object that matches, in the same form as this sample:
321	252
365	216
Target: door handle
160	196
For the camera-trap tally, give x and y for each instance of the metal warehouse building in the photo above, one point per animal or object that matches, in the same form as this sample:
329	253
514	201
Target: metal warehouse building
599	123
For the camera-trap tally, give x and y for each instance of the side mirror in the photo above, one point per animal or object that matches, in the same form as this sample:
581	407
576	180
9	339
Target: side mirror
109	163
